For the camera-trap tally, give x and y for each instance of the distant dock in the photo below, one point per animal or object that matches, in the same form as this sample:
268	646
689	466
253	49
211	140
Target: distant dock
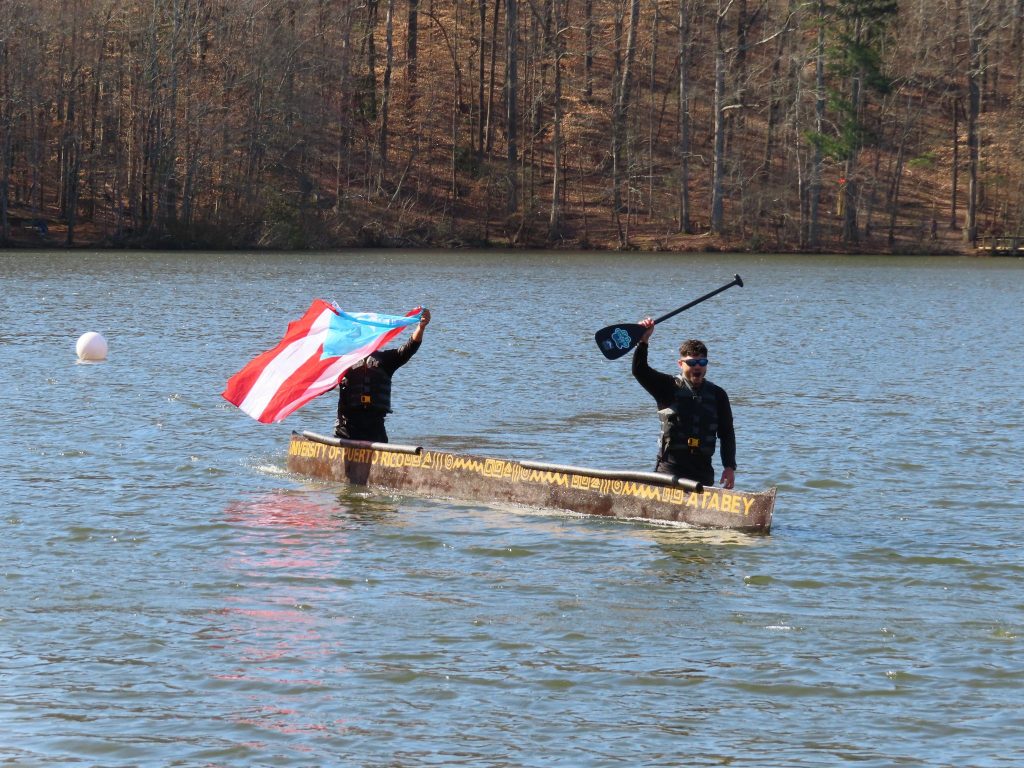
1009	245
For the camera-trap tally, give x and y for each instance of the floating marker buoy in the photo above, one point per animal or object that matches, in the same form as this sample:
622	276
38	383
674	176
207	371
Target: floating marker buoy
91	346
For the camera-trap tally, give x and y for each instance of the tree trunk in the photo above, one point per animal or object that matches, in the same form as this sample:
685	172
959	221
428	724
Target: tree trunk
814	201
652	88
588	50
6	132
511	109
555	220
894	192
620	113
718	158
481	105
973	142
411	43
850	189
343	142
955	173
385	101
684	117
490	78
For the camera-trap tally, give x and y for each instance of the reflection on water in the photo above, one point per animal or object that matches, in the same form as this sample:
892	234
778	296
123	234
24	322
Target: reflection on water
280	509
272	643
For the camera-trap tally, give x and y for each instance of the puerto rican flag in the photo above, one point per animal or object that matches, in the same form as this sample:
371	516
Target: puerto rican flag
313	355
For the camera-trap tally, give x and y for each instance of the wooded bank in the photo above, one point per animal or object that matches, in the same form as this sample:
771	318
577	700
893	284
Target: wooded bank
859	125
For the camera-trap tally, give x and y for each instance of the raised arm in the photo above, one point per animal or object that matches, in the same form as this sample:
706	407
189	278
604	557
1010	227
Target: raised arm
659	385
417	335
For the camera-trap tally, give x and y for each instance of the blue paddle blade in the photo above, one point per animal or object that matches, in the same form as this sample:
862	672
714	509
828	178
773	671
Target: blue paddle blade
616	340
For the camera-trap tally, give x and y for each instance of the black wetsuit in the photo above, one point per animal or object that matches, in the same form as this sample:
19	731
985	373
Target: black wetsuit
357	422
693	463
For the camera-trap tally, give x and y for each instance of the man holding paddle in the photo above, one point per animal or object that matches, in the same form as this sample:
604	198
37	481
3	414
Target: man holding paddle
694	413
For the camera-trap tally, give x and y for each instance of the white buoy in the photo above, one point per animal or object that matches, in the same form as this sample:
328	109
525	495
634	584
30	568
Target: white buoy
91	346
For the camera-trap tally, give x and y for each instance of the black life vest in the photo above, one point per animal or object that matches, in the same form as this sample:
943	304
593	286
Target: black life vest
690	423
365	387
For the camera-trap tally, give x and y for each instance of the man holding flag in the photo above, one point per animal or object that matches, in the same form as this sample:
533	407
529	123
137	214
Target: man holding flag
317	354
364	392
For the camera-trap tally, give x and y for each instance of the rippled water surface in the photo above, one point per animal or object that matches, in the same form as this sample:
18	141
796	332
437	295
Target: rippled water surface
170	595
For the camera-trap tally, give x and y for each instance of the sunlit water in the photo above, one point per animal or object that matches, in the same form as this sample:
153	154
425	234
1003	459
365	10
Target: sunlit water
170	595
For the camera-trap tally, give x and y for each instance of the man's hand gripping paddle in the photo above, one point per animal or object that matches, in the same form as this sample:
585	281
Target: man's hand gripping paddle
616	340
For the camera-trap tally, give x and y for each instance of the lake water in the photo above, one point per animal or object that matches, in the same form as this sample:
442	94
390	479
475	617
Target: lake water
171	596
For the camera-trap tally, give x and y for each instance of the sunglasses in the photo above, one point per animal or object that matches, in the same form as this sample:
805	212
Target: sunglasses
691	361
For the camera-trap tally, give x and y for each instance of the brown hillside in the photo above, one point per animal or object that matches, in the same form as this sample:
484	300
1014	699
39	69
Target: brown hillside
284	126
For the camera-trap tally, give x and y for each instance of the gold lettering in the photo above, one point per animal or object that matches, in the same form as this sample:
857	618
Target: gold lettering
694	500
360	455
746	506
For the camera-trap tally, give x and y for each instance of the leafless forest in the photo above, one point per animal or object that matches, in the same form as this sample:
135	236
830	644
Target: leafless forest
847	125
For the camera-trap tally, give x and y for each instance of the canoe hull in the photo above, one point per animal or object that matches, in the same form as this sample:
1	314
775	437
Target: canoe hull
439	474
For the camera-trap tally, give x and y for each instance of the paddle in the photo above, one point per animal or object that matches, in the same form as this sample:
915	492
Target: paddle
616	340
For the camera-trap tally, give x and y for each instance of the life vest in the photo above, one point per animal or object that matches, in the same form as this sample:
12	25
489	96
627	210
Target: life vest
365	387
690	423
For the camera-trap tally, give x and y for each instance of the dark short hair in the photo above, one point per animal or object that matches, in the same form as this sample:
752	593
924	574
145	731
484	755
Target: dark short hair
693	348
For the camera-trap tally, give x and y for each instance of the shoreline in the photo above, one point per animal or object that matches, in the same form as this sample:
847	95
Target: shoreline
682	245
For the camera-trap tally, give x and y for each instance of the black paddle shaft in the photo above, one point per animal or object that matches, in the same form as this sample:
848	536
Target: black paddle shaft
616	340
736	280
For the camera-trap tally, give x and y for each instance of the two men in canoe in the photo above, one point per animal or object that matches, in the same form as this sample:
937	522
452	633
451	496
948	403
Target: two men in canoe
695	413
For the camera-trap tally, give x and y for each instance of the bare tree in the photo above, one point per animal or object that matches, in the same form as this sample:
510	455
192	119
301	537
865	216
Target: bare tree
620	113
511	94
685	18
556	48
385	101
